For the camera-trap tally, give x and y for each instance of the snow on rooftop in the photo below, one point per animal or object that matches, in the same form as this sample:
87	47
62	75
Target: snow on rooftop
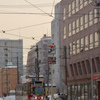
50	84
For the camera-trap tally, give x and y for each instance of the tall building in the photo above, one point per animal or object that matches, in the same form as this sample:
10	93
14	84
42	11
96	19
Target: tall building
8	79
55	33
42	54
12	51
80	38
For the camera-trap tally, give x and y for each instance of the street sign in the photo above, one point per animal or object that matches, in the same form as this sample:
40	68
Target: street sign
51	49
51	60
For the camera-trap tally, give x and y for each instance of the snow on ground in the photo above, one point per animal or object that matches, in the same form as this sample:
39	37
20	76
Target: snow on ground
9	97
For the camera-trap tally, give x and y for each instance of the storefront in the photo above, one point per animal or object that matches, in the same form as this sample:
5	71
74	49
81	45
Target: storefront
83	91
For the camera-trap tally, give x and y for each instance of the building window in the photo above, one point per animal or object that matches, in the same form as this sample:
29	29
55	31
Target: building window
86	21
73	26
78	47
77	25
96	39
85	2
70	28
82	45
74	47
81	23
95	16
86	43
64	14
81	4
64	35
70	49
90	18
77	5
90	1
69	7
91	41
73	7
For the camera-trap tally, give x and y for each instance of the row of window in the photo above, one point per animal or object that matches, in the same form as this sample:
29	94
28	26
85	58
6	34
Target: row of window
83	44
82	91
84	67
77	5
82	23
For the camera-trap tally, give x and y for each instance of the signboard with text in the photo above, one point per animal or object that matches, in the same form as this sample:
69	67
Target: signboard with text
51	60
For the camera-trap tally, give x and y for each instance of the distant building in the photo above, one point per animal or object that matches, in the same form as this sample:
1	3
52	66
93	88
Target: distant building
8	79
12	51
42	58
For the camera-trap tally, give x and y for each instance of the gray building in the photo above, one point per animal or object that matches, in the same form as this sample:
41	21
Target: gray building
11	52
42	58
55	33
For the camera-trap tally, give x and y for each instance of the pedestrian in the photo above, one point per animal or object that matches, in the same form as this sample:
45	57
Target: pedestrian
46	97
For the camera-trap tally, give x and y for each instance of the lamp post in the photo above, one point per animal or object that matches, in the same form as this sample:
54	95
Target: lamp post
86	46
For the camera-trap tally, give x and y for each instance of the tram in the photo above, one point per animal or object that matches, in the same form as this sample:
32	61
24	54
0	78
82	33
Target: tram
30	91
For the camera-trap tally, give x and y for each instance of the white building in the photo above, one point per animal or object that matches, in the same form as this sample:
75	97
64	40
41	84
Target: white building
43	45
55	32
12	51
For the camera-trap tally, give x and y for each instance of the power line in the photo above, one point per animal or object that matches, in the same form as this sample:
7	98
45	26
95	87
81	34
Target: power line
28	26
39	8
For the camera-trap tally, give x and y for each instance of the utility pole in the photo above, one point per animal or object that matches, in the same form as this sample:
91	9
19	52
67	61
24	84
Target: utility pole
65	57
37	62
48	81
17	71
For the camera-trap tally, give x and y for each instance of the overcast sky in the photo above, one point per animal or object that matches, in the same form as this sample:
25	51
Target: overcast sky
23	19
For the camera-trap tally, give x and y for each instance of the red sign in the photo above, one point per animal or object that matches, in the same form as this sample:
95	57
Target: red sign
51	49
51	60
95	77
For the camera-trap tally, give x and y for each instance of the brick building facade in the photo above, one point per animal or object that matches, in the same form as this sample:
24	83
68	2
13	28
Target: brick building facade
8	79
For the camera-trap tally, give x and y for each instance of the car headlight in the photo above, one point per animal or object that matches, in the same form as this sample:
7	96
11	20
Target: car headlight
35	98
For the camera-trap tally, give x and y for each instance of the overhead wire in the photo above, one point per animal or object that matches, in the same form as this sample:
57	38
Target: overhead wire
38	8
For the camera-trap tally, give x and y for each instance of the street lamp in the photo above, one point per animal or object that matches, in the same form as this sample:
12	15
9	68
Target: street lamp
90	66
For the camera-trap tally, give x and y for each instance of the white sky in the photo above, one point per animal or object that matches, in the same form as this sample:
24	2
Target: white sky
13	21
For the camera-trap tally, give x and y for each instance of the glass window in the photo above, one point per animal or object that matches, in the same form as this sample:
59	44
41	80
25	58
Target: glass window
90	1
77	25
77	5
78	47
70	29
81	23
69	7
91	41
64	36
81	4
74	47
82	44
86	21
73	7
86	43
64	14
70	49
73	25
96	39
95	16
90	18
85	2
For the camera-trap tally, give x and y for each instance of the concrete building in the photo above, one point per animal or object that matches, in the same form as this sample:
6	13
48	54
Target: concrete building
42	58
8	79
80	38
12	51
55	33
